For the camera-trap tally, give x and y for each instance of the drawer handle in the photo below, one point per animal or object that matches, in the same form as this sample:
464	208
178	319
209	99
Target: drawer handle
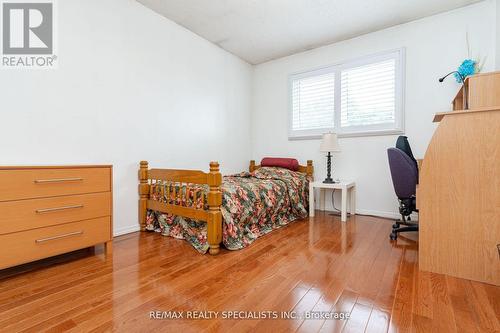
55	209
42	240
57	180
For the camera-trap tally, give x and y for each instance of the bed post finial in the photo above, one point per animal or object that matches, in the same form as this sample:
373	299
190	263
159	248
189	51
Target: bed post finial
143	193
309	168
251	168
214	222
214	166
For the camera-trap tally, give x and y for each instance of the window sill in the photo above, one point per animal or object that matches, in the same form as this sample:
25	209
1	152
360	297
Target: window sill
349	135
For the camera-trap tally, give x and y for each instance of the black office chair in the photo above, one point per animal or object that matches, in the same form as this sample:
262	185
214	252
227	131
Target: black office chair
404	173
403	144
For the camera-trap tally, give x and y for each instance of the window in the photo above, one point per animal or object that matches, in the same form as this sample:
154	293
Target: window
362	97
313	100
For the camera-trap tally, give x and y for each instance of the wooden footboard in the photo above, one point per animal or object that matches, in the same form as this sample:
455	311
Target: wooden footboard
179	205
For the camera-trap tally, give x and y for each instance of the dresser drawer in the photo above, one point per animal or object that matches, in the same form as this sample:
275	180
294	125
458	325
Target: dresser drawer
35	213
47	182
25	246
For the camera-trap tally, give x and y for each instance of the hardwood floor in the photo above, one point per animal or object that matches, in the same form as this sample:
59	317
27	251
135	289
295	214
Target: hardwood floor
319	265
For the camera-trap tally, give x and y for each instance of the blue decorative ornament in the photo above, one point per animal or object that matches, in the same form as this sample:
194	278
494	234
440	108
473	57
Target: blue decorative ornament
467	68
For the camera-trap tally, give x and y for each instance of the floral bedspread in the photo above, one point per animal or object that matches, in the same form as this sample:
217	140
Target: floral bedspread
253	204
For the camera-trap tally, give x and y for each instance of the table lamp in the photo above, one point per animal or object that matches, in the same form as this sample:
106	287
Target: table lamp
329	144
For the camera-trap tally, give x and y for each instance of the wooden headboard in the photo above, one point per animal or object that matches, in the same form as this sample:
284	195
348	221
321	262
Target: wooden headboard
308	169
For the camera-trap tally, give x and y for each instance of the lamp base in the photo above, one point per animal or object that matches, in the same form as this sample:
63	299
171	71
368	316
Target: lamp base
328	181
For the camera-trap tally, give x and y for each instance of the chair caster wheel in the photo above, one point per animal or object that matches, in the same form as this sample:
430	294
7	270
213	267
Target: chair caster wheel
395	226
393	236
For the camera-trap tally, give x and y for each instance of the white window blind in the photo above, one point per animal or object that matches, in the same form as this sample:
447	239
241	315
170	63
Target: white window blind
361	97
313	102
368	94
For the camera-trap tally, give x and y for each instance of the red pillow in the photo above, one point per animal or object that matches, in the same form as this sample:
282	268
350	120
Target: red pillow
287	163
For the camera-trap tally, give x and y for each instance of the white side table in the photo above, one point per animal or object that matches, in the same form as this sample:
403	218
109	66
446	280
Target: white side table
344	187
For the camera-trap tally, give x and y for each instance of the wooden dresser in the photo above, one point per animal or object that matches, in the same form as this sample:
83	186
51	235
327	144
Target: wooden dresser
45	211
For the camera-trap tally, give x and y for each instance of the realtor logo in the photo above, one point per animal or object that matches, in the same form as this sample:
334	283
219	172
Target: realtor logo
28	34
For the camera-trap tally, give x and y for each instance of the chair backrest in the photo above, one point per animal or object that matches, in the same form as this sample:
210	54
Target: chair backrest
404	173
403	144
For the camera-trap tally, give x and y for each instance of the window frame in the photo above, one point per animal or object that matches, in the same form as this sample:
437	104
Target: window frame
367	130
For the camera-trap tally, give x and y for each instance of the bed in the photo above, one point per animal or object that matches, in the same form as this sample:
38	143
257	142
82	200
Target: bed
207	209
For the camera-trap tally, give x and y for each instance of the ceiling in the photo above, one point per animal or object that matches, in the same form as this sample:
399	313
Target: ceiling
261	30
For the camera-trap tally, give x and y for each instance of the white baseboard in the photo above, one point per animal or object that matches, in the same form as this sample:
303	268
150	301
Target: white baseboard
126	230
389	215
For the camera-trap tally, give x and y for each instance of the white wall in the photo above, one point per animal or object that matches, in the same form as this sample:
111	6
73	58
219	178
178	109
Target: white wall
497	39
434	46
131	85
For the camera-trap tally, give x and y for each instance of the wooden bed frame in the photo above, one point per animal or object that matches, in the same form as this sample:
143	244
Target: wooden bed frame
212	215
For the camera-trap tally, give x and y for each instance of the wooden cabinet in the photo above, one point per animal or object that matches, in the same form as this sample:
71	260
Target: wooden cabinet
459	193
478	91
45	211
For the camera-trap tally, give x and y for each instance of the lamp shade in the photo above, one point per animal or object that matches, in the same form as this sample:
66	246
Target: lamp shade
329	143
